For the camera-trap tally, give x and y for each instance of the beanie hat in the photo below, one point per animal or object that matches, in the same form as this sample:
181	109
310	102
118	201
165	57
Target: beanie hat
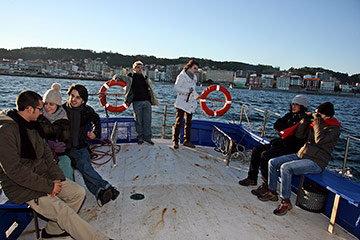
81	89
326	108
53	95
301	100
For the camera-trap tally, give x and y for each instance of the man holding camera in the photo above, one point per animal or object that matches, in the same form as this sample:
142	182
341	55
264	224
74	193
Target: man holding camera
313	157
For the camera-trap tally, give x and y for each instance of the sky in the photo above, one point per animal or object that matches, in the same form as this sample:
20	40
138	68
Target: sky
280	33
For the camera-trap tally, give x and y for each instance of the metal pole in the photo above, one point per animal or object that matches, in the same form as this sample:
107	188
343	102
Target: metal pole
242	112
164	122
265	119
346	154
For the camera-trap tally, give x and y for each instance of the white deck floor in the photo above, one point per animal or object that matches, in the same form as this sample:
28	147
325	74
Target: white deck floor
190	194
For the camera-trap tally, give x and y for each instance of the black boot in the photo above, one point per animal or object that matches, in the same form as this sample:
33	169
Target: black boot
115	193
104	196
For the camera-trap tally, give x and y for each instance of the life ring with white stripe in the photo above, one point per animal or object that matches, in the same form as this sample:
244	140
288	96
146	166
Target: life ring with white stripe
102	96
204	95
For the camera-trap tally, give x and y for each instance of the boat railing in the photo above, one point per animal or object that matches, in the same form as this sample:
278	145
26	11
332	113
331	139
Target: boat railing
349	137
117	99
243	115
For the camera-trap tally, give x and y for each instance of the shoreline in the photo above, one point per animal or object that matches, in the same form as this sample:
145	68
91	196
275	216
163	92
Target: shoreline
299	91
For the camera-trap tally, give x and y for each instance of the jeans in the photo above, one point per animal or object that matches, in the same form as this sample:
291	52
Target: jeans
142	117
93	181
289	165
260	157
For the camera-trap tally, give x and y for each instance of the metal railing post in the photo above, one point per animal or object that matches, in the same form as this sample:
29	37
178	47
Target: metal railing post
164	122
242	112
346	154
264	124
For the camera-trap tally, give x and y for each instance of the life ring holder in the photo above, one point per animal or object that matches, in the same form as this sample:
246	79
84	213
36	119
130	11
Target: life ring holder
102	96
206	92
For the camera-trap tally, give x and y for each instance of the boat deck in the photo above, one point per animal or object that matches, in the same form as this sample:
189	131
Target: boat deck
189	194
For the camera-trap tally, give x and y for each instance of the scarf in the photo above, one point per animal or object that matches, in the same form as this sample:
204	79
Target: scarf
59	114
75	117
27	149
190	74
291	130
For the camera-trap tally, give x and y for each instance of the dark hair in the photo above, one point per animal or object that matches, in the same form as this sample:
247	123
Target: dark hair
191	63
302	108
81	89
27	98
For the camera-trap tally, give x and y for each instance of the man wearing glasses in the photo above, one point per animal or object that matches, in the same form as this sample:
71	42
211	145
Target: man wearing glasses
29	174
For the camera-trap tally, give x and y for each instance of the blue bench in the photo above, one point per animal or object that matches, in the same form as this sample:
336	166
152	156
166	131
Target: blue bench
340	186
14	218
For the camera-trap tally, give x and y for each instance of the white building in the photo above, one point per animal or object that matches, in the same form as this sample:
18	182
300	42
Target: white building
220	76
267	80
240	81
295	81
283	82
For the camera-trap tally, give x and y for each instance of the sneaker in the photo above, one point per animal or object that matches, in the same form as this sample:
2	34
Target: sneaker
189	144
283	208
269	196
140	141
149	142
104	196
175	145
46	235
248	182
261	190
115	193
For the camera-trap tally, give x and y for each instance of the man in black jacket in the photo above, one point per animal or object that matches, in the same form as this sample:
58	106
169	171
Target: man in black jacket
263	153
80	116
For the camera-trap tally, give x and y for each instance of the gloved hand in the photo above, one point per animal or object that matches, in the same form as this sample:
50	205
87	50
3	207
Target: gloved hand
58	147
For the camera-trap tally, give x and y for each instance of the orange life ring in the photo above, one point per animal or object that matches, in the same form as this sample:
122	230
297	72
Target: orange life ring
102	96
206	92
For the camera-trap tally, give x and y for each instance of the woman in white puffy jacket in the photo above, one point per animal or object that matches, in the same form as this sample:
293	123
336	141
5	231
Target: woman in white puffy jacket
185	103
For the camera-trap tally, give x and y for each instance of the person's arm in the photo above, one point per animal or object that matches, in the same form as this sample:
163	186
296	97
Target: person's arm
152	92
320	135
180	84
280	124
96	125
302	131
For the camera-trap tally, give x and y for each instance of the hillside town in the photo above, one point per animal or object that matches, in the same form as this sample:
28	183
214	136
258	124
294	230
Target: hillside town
99	70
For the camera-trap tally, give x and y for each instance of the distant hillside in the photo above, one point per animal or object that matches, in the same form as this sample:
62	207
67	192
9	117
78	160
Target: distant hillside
116	59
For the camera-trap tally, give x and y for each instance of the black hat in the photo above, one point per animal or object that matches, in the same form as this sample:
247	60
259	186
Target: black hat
326	108
81	89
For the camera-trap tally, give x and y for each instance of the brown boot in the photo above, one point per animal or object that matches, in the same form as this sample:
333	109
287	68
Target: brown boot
176	145
248	182
189	144
261	190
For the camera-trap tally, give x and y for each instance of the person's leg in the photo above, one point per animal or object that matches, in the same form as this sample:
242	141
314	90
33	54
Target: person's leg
138	117
187	127
295	167
255	161
61	211
93	181
274	165
65	165
177	125
251	179
270	153
147	117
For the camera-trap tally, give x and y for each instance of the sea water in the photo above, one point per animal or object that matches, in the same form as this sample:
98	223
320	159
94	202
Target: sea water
347	109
